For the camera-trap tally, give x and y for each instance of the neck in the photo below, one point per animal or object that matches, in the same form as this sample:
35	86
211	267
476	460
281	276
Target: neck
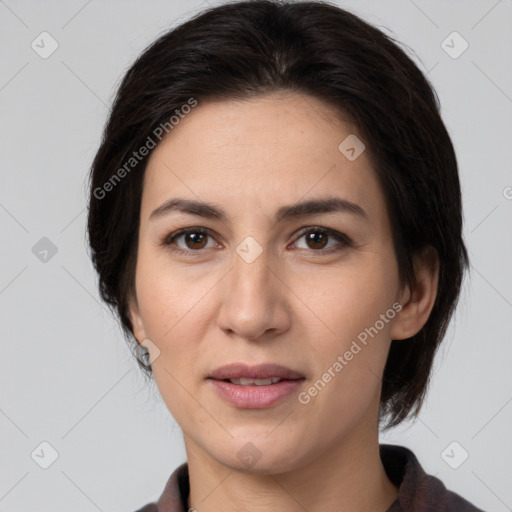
347	477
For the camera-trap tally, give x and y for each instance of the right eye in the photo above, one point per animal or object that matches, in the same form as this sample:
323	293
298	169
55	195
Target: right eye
193	240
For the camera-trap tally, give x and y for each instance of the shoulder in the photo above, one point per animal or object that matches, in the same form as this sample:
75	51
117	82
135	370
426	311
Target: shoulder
175	494
416	489
150	507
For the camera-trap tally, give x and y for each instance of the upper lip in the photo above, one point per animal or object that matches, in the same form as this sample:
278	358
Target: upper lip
260	371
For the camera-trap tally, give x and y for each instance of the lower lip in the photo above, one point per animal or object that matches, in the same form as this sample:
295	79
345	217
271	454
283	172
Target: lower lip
255	397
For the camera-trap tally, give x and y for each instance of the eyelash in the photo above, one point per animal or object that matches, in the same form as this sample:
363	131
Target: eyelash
344	241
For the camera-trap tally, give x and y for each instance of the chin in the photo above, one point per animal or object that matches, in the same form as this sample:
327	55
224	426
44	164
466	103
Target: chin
260	454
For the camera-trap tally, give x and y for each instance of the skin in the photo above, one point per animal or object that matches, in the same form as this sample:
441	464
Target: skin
291	305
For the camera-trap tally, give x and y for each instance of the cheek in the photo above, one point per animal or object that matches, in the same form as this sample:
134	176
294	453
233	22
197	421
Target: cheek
169	307
169	297
353	320
348	299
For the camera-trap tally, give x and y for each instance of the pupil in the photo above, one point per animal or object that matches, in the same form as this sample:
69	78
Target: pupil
317	238
195	238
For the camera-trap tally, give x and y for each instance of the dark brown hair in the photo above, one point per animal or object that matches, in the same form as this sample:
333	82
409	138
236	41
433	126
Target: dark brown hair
244	49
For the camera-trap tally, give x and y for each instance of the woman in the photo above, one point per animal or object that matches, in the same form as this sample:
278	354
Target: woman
275	215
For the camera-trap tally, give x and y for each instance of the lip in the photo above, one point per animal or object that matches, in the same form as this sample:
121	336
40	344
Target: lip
254	396
260	371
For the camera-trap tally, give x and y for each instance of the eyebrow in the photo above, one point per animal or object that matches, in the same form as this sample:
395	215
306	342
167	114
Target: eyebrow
298	210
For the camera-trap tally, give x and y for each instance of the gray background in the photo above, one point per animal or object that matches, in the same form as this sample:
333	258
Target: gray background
66	376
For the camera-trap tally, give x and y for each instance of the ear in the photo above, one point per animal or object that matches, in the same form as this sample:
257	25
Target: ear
417	301
136	320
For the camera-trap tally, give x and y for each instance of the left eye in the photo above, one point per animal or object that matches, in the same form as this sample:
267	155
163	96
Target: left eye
318	239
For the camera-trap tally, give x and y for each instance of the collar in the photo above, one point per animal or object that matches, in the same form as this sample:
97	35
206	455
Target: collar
417	491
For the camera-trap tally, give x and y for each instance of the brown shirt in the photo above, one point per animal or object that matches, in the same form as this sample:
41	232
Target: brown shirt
417	491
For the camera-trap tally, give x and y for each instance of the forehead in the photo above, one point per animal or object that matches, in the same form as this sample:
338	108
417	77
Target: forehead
272	149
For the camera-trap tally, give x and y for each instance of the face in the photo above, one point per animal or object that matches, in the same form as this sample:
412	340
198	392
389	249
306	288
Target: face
258	280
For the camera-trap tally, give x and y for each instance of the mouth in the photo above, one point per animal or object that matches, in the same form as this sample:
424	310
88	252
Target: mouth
255	382
258	374
255	387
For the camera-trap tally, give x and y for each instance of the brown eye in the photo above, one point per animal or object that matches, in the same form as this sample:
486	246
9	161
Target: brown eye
316	240
188	241
195	240
323	240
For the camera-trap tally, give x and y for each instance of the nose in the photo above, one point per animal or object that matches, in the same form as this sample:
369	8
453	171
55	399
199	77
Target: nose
254	303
